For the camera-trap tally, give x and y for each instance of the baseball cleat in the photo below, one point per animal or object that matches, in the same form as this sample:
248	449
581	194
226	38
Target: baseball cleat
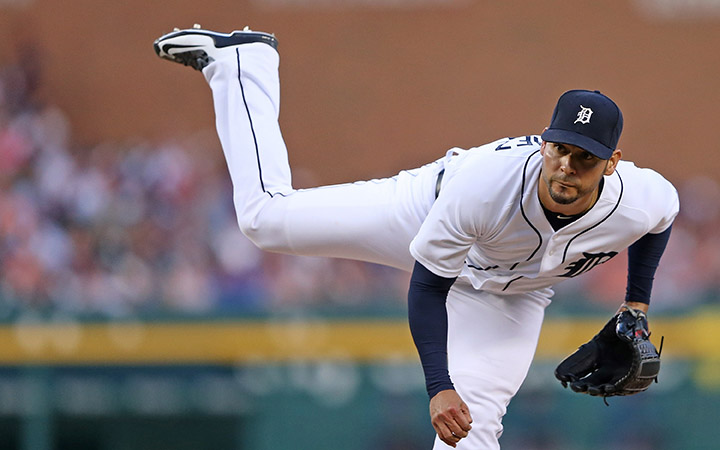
197	48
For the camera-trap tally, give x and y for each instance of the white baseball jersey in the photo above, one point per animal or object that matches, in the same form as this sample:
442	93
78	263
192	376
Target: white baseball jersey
488	225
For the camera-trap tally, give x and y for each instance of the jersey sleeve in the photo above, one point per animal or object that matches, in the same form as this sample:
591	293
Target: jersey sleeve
648	195
643	260
456	220
427	317
668	204
659	199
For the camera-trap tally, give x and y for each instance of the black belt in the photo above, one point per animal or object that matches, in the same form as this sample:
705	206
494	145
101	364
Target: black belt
438	183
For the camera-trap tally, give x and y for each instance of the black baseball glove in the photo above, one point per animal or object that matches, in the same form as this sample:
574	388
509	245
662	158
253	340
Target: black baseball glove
619	360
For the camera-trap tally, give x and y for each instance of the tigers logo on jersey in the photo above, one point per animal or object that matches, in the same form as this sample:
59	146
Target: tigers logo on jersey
589	261
583	116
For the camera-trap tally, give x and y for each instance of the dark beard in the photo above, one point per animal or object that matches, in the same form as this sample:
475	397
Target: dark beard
564	199
561	199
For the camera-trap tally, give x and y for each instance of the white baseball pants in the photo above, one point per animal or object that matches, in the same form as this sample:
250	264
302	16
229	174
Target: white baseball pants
491	339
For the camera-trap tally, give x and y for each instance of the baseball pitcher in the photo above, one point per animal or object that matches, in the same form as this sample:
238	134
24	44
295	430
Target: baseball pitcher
485	231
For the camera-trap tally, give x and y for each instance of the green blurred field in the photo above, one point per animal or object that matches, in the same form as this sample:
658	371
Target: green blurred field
276	384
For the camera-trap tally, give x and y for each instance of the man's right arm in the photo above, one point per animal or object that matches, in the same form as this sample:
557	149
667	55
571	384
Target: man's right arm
449	415
428	324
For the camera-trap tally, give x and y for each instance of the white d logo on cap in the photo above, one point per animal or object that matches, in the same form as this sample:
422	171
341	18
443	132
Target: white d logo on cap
583	116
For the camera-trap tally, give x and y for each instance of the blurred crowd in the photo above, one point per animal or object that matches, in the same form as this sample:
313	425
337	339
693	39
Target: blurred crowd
121	229
133	228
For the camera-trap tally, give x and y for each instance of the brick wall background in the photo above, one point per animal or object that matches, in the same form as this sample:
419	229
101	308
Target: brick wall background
370	86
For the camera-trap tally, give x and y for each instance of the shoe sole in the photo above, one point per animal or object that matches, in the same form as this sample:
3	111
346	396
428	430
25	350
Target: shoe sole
220	40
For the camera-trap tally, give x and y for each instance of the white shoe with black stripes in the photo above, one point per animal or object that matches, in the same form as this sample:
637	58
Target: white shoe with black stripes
197	48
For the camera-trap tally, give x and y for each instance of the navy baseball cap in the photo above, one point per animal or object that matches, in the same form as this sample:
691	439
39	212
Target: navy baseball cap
587	119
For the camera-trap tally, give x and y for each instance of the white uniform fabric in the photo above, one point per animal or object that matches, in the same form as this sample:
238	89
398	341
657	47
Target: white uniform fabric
486	227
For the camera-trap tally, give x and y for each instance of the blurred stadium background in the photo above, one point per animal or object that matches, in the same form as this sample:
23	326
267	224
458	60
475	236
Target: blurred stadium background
134	315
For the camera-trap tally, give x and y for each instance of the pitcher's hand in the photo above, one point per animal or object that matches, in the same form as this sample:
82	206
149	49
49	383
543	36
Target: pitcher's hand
450	417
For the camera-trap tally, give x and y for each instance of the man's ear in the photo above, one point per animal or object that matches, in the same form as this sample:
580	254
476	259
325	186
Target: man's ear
613	162
542	146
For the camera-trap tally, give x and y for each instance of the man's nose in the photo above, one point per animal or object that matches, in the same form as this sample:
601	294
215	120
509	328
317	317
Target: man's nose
566	164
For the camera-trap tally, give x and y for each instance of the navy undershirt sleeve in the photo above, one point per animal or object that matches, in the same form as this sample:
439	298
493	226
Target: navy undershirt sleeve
428	325
643	259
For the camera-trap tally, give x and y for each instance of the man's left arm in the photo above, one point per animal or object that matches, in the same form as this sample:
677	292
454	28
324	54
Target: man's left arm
643	260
